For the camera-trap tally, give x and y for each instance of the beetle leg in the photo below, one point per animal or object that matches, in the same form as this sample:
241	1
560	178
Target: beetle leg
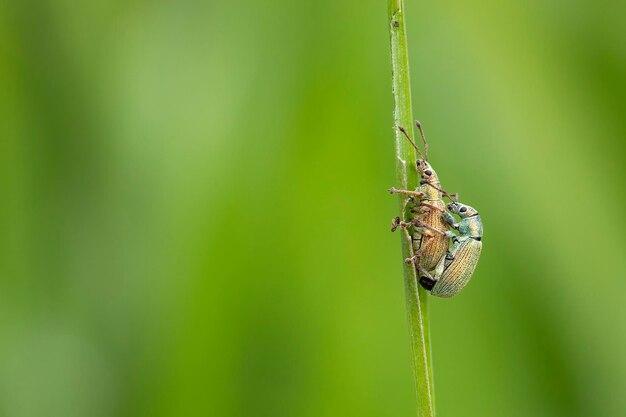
429	279
430	206
424	226
451	196
417	194
410	242
413	260
396	222
450	255
448	259
450	220
424	272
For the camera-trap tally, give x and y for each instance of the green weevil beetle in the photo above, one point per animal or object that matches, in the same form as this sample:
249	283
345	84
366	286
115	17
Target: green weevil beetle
454	270
427	216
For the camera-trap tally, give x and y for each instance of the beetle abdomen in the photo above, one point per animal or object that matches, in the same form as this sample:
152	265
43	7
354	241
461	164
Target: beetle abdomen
458	273
435	246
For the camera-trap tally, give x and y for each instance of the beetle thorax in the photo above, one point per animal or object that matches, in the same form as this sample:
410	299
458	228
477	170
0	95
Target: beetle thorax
471	226
431	190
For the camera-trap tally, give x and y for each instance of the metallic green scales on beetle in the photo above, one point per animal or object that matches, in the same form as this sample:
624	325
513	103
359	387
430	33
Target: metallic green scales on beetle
425	216
454	270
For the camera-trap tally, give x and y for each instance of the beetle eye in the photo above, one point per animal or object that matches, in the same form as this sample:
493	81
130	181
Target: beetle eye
463	209
428	172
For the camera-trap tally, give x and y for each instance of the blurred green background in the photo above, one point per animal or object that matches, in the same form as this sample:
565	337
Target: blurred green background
195	219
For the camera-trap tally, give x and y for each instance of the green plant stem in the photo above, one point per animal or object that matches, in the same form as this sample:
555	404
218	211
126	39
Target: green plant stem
416	297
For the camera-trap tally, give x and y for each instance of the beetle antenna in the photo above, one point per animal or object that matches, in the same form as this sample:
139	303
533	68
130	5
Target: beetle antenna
419	127
401	129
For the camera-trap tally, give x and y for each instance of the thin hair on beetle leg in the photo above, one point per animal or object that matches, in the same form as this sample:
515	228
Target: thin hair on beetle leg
406	135
419	127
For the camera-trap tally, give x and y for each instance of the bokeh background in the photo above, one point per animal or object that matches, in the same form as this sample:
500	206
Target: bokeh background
194	219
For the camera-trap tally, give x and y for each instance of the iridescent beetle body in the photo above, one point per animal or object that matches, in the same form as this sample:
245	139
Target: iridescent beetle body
454	271
425	216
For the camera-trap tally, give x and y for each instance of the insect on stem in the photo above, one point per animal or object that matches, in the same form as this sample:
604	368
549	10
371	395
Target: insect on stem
416	297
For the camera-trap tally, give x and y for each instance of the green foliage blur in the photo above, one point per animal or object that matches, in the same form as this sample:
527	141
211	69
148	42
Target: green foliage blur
195	219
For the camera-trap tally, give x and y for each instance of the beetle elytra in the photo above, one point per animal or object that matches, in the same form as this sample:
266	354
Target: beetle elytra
455	269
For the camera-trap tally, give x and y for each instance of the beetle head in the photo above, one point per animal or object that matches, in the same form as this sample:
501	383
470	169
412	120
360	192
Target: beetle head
426	172
462	210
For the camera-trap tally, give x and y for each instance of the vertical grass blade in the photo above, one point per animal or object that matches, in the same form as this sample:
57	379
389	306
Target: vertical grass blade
416	297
